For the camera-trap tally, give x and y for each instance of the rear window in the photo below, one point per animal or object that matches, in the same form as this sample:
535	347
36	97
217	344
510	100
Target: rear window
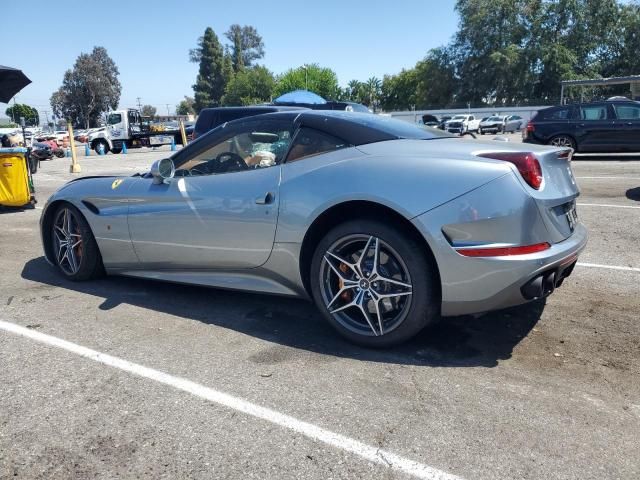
627	112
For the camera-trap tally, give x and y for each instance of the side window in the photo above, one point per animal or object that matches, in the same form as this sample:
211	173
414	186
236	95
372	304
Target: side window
560	114
309	142
248	146
627	112
595	112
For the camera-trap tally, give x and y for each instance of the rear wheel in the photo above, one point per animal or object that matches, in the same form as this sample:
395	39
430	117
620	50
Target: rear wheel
562	141
363	278
74	247
116	150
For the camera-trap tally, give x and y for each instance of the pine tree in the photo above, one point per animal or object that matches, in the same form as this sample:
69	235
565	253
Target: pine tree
214	73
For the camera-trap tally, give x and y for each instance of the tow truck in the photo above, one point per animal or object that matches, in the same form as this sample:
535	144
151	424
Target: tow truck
128	127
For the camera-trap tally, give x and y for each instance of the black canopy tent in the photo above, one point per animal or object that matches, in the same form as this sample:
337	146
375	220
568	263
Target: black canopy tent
12	81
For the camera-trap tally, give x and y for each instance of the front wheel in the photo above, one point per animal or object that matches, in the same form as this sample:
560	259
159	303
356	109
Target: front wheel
74	247
373	283
105	147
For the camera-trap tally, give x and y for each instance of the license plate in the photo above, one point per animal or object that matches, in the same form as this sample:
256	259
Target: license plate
572	216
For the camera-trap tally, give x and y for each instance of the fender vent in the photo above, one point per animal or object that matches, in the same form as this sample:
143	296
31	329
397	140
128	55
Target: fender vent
91	207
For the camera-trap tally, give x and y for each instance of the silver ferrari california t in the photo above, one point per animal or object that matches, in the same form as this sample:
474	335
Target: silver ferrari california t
385	225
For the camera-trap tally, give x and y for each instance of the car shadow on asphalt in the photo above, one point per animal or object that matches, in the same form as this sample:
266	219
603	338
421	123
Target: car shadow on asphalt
633	194
462	341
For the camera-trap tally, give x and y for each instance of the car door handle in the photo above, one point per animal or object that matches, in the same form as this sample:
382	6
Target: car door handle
266	199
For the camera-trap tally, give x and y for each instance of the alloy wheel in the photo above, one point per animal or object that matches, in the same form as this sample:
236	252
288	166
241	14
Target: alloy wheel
67	241
365	285
562	141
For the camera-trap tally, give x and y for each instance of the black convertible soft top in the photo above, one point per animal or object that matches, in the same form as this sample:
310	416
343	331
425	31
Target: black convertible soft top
362	128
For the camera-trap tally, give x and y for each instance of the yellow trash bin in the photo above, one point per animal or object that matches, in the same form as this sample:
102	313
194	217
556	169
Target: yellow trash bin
15	180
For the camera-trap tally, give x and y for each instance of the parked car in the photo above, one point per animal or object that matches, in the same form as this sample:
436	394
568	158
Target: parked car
501	124
462	124
609	126
493	124
307	99
384	224
443	121
513	123
210	118
429	120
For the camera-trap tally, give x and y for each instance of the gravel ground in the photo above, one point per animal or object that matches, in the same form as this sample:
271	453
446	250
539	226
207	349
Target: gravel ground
546	390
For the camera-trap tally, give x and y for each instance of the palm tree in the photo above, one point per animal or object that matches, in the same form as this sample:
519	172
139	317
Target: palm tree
374	87
354	87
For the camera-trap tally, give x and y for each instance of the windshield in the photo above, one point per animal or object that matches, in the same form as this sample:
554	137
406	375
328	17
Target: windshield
459	117
494	119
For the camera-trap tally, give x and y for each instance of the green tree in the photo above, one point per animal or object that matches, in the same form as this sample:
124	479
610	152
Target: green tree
436	81
246	46
29	114
148	111
249	86
320	80
89	89
624	45
185	107
214	72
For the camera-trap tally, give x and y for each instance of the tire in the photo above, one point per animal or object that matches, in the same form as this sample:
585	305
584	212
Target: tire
116	150
343	297
83	261
562	141
480	131
96	146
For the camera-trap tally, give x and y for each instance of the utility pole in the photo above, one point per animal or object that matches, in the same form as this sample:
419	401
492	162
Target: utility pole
168	114
139	105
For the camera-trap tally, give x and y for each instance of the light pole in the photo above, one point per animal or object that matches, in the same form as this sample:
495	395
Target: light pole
306	80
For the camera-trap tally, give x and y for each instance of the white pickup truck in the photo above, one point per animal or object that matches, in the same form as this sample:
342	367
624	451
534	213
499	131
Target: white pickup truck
462	124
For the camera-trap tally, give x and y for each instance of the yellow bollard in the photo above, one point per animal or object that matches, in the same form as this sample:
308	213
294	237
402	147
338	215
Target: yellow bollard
183	133
75	166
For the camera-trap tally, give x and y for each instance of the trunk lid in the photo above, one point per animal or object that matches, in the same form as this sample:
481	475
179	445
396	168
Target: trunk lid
556	197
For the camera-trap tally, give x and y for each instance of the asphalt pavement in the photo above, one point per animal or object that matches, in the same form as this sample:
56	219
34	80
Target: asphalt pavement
170	381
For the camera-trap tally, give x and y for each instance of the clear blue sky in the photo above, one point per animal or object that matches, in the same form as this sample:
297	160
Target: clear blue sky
149	41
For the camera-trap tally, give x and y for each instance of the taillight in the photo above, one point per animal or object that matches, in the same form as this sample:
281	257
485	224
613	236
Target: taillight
526	163
503	251
531	127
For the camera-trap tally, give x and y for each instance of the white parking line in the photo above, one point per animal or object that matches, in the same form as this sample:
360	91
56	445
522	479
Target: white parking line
611	178
372	454
606	205
610	267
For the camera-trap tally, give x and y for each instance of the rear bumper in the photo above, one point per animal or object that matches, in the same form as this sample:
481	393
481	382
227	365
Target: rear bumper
498	213
501	282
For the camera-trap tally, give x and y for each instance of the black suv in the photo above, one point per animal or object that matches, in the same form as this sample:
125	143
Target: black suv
210	118
611	126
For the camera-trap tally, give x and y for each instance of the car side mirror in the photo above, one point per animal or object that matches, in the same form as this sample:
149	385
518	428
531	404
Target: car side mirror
162	170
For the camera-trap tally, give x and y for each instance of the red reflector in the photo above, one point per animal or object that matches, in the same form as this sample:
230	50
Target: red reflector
503	251
526	163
